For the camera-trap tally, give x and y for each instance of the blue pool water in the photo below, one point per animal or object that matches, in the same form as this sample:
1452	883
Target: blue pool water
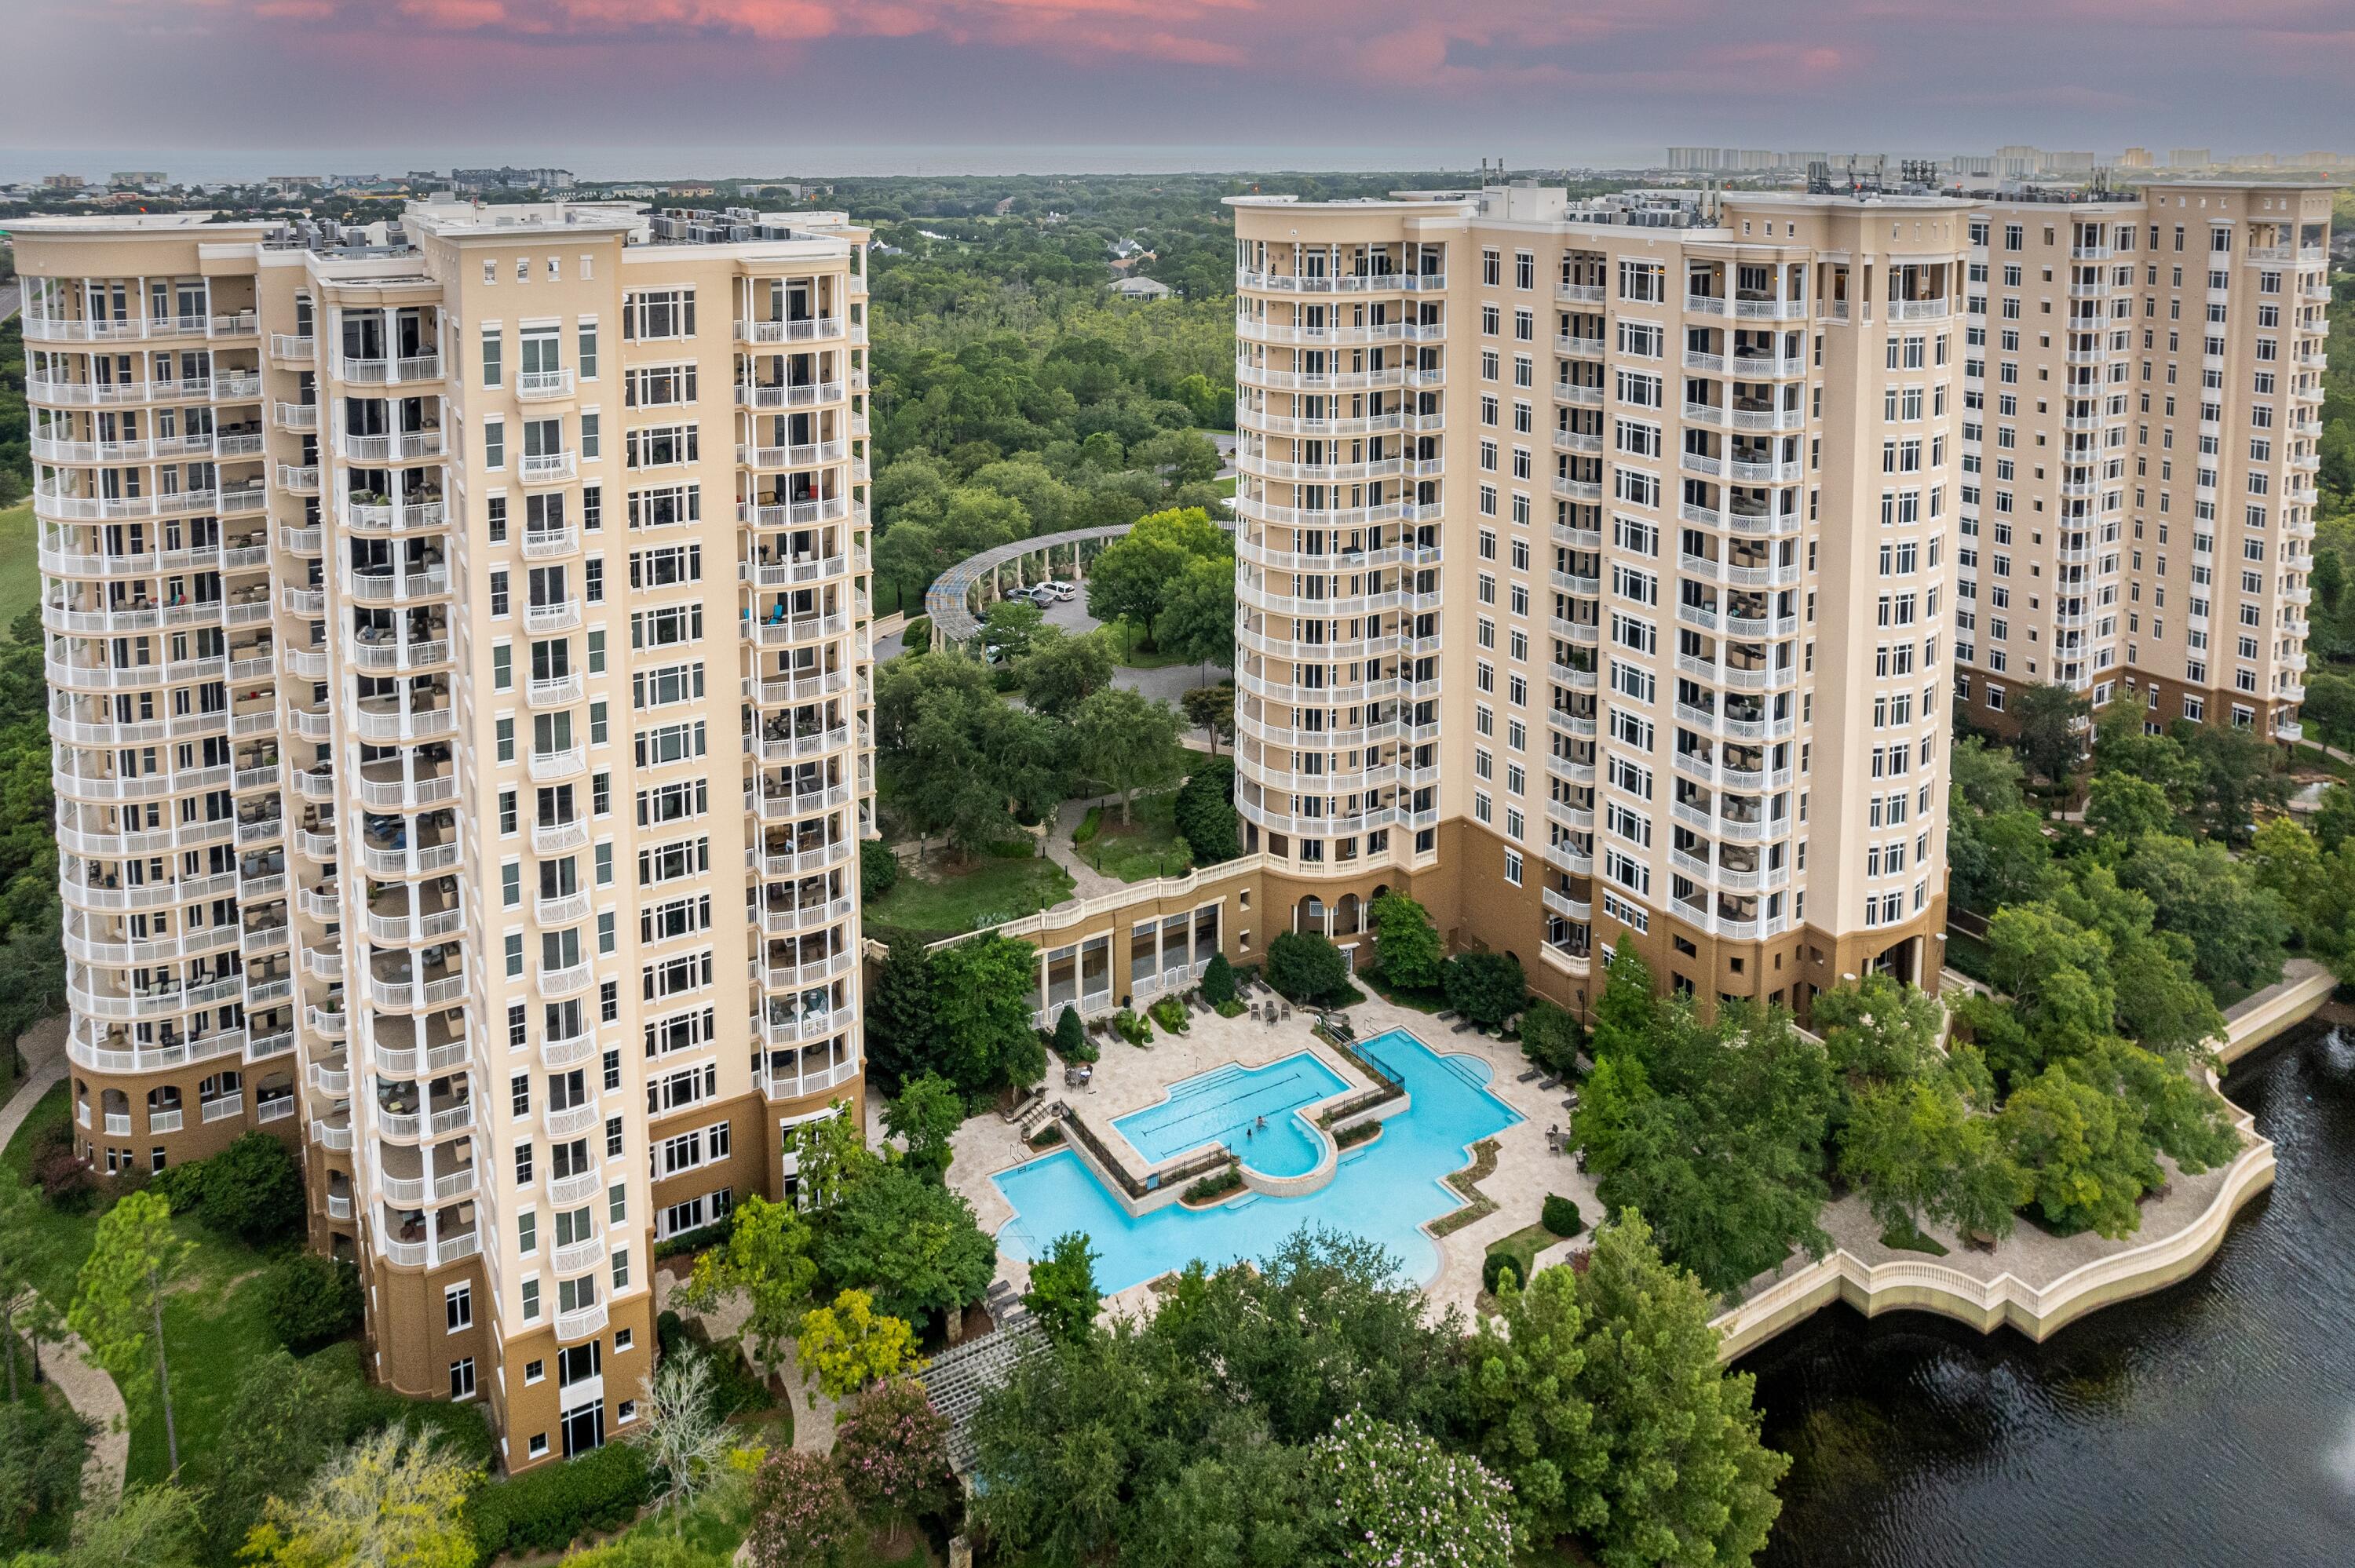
1384	1191
1249	1109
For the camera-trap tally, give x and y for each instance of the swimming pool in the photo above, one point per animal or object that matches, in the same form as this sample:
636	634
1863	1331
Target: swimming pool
1248	1109
1384	1191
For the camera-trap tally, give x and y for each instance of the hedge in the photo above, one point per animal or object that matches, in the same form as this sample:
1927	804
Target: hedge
548	1509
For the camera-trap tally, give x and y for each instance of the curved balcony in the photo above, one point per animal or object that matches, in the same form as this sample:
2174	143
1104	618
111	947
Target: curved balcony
68	394
1385	380
571	1121
405	516
1352	283
138	615
792	515
106	894
1352	650
441	987
777	862
802	395
785	805
810	456
550	544
396	587
387	372
393	447
560	1051
774	745
395	657
1368	425
391	921
1346	694
1253	329
555	985
105	788
784	918
788	692
790	976
1275	822
805	328
541	619
98	1051
546	468
556	692
785	633
543	386
389	723
547	767
581	1322
774	574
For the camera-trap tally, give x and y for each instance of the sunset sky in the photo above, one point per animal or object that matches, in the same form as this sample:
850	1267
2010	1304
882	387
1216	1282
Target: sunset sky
1534	81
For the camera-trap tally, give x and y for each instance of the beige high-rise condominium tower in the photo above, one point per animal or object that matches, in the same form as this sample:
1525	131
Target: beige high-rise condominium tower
1597	574
2143	390
459	666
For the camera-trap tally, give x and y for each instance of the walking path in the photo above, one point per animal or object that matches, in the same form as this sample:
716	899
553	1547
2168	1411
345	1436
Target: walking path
84	1383
1088	882
814	1412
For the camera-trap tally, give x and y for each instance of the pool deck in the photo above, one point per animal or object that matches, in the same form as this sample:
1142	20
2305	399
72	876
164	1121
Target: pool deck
1129	1079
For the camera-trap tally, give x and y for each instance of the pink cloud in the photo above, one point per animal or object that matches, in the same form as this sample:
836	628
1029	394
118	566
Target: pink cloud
455	13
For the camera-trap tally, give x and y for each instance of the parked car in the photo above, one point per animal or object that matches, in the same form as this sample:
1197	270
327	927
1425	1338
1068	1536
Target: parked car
1060	589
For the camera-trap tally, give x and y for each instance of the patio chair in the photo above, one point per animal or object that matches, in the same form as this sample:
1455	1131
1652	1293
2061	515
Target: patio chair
1550	1083
1526	1076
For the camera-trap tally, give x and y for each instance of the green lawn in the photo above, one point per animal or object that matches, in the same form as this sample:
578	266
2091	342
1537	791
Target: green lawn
20	574
1226	486
1523	1246
992	890
1149	847
1124	636
213	1325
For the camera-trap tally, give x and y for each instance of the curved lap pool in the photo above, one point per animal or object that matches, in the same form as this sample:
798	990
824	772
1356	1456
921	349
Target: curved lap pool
1384	1191
1251	1110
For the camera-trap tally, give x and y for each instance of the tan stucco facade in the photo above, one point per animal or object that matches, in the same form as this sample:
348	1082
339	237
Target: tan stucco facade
456	631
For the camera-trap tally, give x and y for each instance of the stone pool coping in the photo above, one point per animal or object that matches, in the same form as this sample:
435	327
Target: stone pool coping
1328	1153
1129	1079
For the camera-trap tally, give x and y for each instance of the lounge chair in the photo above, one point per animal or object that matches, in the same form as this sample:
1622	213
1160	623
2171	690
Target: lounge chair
1570	1104
1550	1083
1528	1077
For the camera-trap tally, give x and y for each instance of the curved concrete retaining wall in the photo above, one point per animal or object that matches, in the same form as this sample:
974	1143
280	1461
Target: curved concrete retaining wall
2037	1311
2260	1018
2040	1311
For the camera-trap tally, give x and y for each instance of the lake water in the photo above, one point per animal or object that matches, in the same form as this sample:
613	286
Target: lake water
2210	1423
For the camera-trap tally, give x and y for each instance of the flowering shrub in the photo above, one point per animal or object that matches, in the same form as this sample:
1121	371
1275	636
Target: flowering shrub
890	1447
802	1516
1403	1501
